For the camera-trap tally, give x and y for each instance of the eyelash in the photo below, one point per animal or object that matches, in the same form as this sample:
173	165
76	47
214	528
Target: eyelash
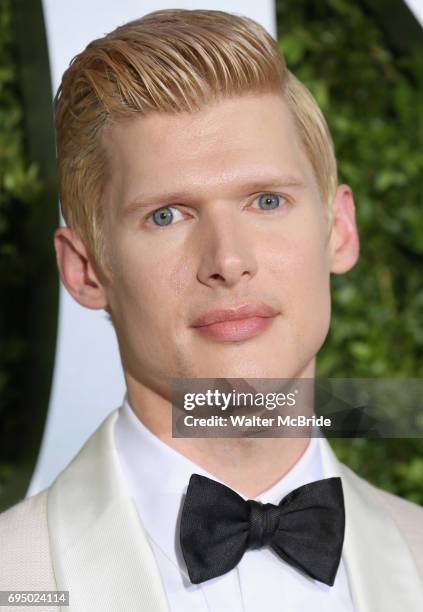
285	202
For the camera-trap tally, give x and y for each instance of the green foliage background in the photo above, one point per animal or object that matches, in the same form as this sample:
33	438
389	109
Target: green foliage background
372	100
20	188
373	103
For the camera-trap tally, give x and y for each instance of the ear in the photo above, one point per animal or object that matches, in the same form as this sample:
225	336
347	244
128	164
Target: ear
343	242
76	269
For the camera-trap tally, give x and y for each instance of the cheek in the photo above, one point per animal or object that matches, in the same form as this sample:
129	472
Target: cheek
134	280
149	287
297	254
179	276
300	268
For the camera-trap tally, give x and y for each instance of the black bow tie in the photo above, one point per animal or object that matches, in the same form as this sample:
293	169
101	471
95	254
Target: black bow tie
306	529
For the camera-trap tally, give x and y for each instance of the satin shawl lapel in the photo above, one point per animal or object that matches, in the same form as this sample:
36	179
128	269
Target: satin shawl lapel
381	570
100	552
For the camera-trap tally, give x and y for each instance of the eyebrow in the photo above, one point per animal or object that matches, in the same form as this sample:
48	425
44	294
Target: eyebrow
176	197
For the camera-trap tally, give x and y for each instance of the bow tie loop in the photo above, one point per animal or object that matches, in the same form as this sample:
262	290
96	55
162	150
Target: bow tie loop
263	523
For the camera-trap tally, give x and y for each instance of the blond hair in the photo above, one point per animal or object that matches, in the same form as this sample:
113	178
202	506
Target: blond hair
168	61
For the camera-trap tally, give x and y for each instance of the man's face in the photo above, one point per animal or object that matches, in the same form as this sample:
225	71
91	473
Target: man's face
217	243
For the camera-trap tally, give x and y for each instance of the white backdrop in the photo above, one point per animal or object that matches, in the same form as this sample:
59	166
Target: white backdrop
88	382
416	6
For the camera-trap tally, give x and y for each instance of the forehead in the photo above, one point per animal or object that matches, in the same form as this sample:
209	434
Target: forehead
228	142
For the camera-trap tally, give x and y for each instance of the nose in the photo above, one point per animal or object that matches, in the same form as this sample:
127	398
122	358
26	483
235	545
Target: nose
227	249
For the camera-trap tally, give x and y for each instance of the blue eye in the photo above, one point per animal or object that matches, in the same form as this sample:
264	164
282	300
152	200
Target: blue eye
269	201
167	215
164	216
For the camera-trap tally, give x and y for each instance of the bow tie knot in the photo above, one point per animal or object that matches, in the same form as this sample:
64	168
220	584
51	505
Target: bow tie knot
263	523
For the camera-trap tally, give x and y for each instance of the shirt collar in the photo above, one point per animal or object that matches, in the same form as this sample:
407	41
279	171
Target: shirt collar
157	477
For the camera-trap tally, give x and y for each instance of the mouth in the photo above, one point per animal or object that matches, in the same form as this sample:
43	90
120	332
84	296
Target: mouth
237	323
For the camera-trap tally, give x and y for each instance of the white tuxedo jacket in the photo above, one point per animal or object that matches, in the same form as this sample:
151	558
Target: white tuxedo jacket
83	535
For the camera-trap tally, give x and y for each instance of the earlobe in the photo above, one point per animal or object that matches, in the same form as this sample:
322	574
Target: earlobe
76	270
344	240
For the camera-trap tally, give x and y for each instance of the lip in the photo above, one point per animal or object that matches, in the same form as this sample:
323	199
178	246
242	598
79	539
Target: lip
246	311
236	323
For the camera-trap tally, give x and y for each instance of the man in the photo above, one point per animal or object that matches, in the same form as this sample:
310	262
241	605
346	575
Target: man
198	182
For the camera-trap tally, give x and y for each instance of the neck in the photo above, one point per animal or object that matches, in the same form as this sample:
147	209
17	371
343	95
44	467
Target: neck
248	465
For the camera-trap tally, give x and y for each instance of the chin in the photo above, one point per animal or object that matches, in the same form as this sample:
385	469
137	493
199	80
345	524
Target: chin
250	368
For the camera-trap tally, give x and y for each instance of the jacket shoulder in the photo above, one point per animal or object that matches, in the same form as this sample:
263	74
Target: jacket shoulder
25	558
407	515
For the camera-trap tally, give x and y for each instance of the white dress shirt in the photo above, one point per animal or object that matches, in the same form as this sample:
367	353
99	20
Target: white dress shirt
157	477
